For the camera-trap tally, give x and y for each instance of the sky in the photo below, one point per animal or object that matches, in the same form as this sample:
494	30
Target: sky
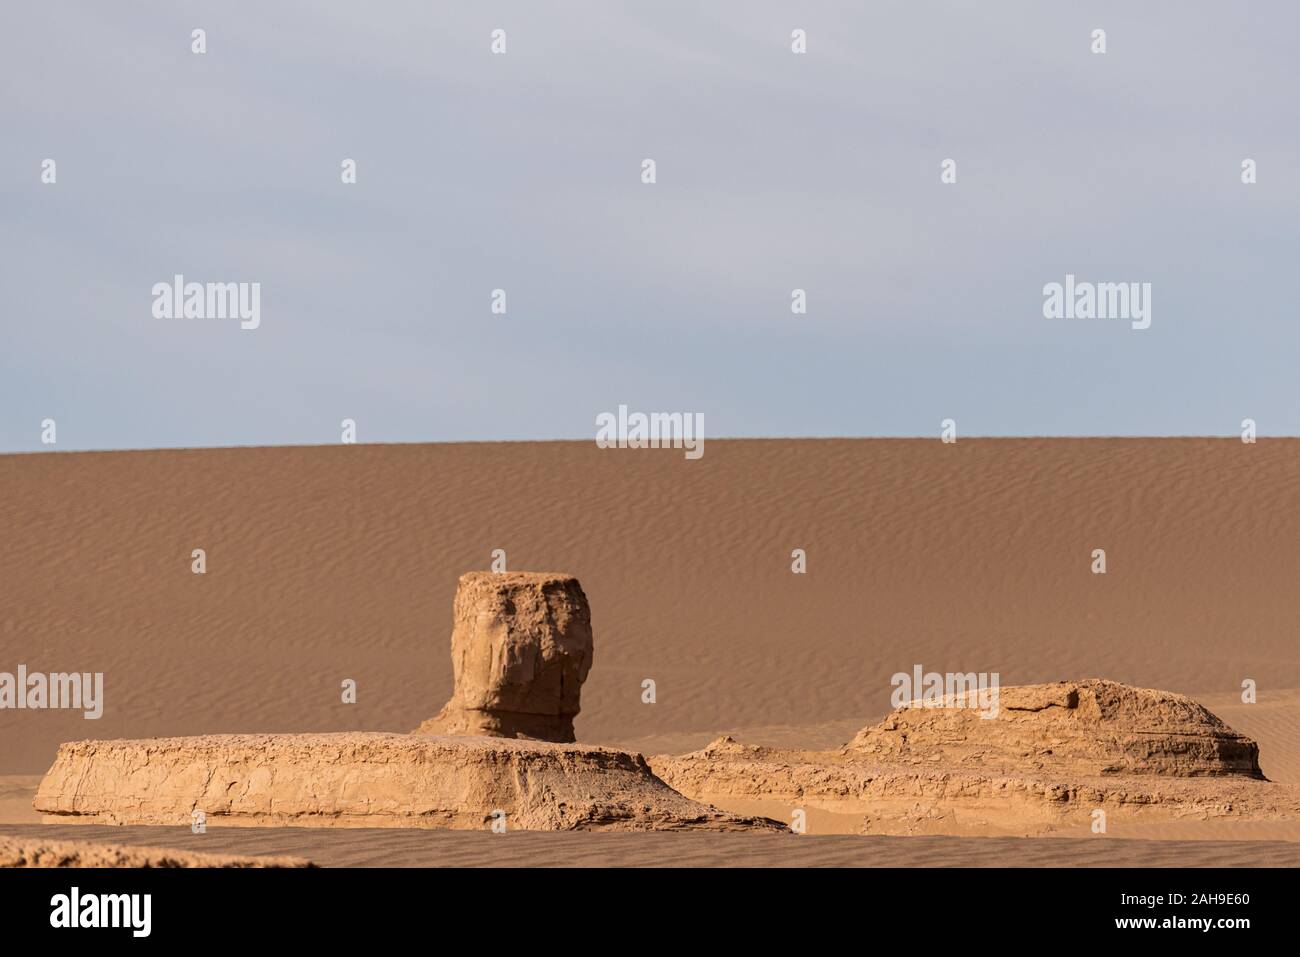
522	171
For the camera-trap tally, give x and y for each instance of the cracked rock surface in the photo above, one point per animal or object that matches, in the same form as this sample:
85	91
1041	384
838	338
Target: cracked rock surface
368	779
521	647
1049	758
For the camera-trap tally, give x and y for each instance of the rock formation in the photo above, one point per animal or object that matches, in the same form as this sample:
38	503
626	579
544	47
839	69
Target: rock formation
521	648
1092	727
367	779
1053	755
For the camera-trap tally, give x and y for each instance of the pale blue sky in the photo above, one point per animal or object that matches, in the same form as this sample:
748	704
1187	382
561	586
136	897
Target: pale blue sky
521	171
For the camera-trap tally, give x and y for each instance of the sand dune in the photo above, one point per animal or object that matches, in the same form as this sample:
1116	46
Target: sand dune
333	563
327	563
1274	723
408	848
17	792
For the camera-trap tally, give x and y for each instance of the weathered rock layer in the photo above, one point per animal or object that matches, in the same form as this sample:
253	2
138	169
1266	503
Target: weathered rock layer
367	780
1083	727
521	647
1051	757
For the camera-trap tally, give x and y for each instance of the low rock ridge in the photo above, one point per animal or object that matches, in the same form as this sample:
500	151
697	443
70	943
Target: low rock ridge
1052	757
368	779
1086	727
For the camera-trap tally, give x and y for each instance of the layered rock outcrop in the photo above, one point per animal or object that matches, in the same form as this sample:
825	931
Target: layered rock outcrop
521	647
367	779
1051	757
1092	727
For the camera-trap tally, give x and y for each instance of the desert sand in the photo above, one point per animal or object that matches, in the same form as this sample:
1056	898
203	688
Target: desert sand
41	851
403	847
333	563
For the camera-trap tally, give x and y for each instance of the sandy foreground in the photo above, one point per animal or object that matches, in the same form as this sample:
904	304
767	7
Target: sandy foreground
326	563
389	847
